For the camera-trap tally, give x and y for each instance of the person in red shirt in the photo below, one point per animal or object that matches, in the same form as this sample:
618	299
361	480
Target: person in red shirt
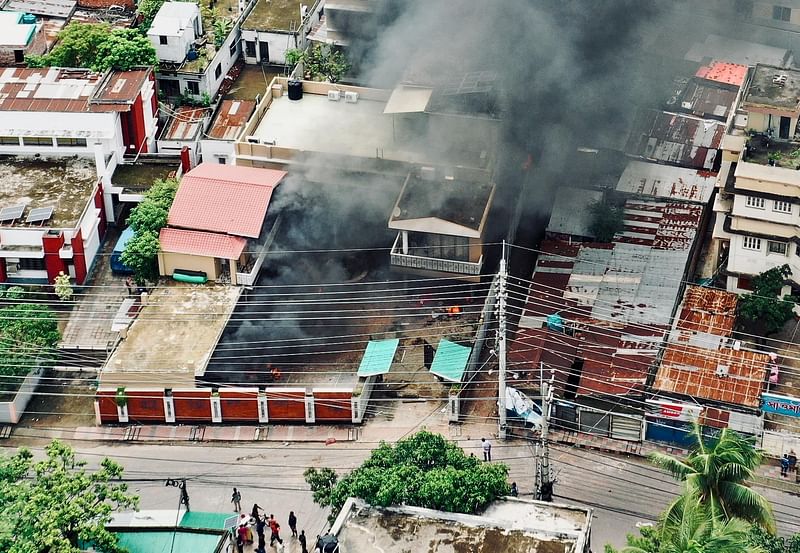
275	528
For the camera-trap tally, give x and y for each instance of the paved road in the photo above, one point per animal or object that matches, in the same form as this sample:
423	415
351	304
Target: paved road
622	491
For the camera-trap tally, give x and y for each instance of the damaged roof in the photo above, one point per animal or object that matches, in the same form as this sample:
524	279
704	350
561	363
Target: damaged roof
667	182
231	119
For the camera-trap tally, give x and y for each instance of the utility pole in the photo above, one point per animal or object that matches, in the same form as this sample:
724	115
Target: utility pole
180	484
544	482
501	345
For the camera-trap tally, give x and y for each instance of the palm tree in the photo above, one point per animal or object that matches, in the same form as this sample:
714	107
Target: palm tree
692	529
715	474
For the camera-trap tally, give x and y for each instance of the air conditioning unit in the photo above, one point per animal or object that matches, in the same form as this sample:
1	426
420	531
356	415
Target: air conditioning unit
722	370
334	95
351	97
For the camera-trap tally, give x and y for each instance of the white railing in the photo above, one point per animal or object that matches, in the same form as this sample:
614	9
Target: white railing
400	259
250	277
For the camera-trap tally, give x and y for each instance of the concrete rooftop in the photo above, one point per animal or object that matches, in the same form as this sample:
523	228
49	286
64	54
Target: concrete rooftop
764	90
65	185
141	176
275	15
173	337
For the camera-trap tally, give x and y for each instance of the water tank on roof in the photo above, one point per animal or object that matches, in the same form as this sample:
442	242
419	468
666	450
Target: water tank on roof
28	18
295	90
191	55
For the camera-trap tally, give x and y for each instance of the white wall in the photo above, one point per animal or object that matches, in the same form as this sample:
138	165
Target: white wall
178	40
102	128
12	411
278	44
212	150
767	213
21	237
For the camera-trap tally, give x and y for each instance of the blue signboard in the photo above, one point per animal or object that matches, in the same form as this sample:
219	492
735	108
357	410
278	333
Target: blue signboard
782	405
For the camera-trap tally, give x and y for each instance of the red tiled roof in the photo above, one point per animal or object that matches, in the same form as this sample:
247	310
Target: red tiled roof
224	198
206	244
723	72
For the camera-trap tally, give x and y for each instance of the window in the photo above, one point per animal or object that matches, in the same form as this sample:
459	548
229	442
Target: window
439	246
163	40
780	13
19	56
31	264
218	71
776	247
192	87
249	48
750	243
753	201
232	48
783	207
222	160
744	283
37	141
71	142
9	141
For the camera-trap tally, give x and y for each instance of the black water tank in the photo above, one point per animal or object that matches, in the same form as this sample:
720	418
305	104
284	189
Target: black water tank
295	90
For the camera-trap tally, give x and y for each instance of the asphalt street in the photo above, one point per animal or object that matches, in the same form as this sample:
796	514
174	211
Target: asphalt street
622	491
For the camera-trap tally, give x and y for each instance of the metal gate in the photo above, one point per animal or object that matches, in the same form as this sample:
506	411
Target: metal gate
564	415
626	428
593	422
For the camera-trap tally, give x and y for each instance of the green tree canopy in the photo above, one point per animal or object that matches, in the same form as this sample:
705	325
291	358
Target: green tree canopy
56	505
770	543
98	47
320	62
765	311
606	220
423	470
715	475
140	256
28	334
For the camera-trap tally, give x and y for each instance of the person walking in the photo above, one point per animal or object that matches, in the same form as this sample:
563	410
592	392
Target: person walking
293	524
255	512
302	539
129	285
487	449
260	526
275	530
514	489
236	499
792	460
785	465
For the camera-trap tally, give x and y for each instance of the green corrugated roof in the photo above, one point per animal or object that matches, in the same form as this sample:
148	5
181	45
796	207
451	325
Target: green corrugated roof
450	361
378	357
214	521
144	541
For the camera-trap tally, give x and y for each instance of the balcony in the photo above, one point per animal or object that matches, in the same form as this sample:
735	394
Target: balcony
248	275
400	259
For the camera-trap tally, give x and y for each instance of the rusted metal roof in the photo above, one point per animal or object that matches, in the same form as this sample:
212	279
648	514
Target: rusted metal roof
726	374
231	118
121	87
706	99
186	124
675	138
708	310
667	182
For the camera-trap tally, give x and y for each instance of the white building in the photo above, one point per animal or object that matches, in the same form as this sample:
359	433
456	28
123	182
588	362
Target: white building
757	224
218	143
275	26
174	30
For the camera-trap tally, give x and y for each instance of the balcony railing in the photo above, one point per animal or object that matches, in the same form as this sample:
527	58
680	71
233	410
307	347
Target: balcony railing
400	259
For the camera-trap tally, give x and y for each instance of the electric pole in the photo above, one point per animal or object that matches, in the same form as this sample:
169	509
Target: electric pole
501	344
180	484
544	482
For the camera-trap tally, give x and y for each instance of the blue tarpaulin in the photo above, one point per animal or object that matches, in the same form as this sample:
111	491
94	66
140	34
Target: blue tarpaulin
378	357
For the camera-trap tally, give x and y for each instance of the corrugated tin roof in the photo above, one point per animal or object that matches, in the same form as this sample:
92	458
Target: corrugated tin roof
231	119
378	357
450	361
224	198
186	124
206	244
667	182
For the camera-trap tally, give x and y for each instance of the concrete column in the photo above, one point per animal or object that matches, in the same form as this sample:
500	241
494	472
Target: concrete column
216	409
263	409
404	235
310	413
233	267
122	413
169	408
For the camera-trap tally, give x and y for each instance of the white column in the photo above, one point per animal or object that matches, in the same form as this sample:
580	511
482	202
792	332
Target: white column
310	414
169	409
404	235
122	413
216	409
263	410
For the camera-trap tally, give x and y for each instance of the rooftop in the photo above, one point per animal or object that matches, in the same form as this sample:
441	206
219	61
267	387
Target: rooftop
737	51
173	17
722	72
224	198
207	244
362	129
275	15
231	119
180	350
774	87
146	540
666	181
425	204
140	176
705	99
69	90
186	124
676	139
507	525
65	185
52	8
571	213
13	32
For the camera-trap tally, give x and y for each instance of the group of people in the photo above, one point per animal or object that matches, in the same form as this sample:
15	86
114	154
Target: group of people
259	521
788	463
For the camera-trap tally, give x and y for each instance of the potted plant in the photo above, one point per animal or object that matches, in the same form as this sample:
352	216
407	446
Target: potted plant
121	398
774	157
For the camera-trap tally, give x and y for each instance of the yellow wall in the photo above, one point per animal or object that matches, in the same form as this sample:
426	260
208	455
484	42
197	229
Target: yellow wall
168	262
475	250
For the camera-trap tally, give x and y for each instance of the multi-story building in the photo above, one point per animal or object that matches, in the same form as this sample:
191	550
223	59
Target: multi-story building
20	36
757	209
175	29
275	26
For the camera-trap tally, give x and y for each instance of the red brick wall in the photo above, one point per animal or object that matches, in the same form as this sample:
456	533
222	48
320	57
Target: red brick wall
286	406
107	406
145	406
129	5
192	406
239	406
37	46
52	262
329	406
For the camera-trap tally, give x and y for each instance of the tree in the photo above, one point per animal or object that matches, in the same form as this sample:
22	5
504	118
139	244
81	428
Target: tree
62	286
97	47
606	220
28	334
140	256
715	475
320	62
55	505
423	470
765	311
770	543
148	9
148	216
692	530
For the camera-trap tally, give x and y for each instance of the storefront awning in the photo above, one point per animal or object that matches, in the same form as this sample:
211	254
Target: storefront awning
450	361
378	357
